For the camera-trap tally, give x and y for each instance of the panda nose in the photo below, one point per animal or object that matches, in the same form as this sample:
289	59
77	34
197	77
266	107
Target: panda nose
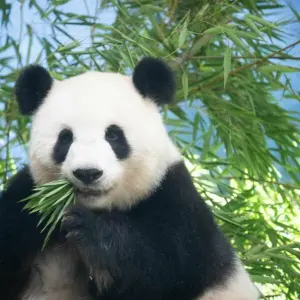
87	176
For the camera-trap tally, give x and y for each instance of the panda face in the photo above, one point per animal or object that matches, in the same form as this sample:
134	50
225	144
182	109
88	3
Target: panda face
100	132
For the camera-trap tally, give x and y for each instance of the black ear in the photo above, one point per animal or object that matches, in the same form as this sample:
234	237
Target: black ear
154	79
31	88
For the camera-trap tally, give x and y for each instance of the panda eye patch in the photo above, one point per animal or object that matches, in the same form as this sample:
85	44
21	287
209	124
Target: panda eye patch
62	145
66	136
116	138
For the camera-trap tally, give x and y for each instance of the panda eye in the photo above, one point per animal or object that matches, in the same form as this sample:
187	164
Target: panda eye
116	138
112	133
65	136
112	136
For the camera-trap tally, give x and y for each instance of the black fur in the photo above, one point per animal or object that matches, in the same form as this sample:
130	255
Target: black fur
118	142
165	248
19	237
32	87
154	79
62	145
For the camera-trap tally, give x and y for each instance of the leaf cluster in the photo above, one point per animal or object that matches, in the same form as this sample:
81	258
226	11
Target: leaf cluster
49	201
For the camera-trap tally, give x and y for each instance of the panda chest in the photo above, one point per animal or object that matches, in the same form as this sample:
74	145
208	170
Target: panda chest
57	273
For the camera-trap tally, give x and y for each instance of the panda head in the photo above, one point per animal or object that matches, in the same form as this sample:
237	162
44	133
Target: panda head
101	131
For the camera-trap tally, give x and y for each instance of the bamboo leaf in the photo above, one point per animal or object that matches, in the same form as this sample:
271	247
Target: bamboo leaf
261	21
48	201
214	30
237	41
277	68
264	279
185	84
252	25
182	36
227	64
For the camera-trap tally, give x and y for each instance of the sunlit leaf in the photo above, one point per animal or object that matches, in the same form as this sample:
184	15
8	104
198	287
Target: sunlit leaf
182	36
261	21
227	64
185	85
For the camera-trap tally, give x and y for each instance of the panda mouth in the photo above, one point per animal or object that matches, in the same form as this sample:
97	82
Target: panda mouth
88	192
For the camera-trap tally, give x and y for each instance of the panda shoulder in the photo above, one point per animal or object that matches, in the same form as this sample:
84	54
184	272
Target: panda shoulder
18	186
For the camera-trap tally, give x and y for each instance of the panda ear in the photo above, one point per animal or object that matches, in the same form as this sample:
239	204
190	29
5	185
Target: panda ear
31	88
154	79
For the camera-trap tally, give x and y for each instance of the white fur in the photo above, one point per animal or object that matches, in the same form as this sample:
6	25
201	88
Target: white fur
238	287
56	274
88	104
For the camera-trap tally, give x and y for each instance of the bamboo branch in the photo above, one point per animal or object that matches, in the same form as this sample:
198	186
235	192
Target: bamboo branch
286	185
247	57
248	66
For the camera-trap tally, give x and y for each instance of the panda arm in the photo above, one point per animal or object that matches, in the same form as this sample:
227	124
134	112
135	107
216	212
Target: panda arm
111	242
19	237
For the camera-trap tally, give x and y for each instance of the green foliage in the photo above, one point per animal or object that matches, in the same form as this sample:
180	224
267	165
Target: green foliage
241	144
49	201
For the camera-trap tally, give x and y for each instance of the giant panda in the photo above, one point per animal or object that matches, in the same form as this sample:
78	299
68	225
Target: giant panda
138	230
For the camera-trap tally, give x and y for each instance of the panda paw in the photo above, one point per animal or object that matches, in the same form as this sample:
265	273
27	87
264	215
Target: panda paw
78	225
